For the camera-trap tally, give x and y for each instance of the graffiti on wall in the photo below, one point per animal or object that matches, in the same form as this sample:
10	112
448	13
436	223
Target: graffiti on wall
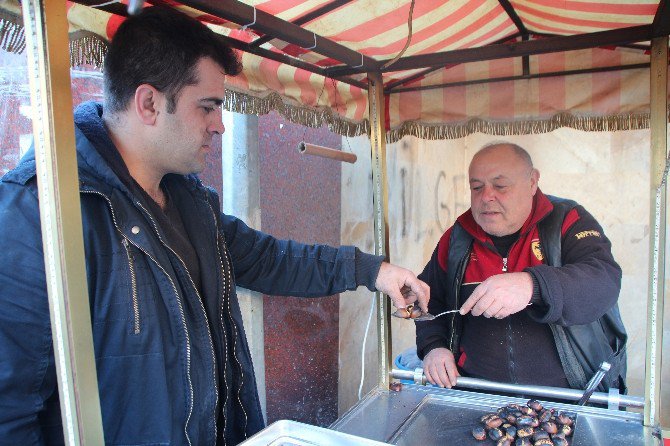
429	204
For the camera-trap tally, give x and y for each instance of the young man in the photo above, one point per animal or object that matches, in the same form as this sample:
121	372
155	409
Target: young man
162	261
538	301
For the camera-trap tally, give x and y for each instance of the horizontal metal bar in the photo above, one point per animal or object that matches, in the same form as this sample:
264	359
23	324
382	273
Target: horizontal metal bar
522	389
259	20
312	15
520	77
391	85
516	49
292	61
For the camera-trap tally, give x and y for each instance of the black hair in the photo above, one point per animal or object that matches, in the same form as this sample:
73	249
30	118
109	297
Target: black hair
161	47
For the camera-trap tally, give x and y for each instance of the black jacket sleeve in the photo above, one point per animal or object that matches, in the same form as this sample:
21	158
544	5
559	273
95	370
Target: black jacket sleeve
288	268
588	283
435	333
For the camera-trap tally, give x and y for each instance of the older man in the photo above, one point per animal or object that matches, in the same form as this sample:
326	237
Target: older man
535	281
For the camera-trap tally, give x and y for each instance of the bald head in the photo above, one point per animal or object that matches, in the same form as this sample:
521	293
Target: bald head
503	183
512	149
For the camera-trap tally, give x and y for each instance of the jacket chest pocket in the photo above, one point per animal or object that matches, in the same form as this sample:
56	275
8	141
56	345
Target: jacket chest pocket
125	292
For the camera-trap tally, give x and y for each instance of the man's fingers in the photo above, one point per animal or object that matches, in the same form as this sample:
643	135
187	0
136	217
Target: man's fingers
493	308
443	376
422	293
396	298
453	374
431	375
482	305
477	294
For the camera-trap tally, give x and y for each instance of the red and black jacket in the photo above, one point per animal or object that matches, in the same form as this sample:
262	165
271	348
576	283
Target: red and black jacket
580	290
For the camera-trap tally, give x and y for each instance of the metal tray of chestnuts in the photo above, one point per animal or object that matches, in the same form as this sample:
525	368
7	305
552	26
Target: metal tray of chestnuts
426	416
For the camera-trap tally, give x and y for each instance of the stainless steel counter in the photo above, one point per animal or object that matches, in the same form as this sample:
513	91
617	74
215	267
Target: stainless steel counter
426	416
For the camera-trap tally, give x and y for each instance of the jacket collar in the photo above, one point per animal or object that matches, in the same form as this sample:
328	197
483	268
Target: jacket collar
541	208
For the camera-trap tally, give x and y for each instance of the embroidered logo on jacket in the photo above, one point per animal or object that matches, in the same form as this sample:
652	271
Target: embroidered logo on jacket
583	234
537	250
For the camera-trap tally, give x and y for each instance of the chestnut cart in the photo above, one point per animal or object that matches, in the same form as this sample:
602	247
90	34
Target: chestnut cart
412	414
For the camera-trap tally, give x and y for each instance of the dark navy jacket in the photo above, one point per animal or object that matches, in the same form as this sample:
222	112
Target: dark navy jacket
168	359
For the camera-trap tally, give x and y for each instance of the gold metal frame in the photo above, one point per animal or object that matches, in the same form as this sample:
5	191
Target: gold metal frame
659	154
46	30
381	214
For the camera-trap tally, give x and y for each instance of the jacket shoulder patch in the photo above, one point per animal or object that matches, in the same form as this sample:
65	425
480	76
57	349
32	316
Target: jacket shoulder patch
537	249
584	234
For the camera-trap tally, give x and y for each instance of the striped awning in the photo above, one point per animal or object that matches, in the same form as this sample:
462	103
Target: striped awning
599	88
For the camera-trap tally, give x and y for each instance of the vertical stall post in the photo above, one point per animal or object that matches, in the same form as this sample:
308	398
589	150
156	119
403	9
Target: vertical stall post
658	126
46	30
381	213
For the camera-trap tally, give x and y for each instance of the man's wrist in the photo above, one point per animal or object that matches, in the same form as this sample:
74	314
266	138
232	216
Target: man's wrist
536	296
366	268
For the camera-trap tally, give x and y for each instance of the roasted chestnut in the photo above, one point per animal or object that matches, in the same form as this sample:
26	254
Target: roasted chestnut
567	430
527	410
550	427
479	433
523	432
524	421
523	442
540	434
487	416
494	421
565	418
545	416
395	386
496	434
535	405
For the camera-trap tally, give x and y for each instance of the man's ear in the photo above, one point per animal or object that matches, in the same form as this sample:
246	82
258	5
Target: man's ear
147	103
534	180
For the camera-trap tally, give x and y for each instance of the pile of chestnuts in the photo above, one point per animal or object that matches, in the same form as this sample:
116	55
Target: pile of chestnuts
526	425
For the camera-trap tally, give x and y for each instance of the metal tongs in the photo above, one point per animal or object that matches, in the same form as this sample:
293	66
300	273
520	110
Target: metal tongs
415	313
593	383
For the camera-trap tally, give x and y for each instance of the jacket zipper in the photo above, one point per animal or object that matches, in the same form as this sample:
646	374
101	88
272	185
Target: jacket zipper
179	302
202	307
457	293
508	330
133	286
227	290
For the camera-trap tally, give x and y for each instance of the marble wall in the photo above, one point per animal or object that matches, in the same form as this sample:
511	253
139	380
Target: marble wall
608	173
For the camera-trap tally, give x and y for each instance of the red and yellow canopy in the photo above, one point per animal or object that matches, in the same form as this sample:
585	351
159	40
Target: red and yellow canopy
528	96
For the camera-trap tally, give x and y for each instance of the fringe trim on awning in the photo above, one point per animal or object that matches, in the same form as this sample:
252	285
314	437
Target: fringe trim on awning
586	123
241	102
87	49
12	38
